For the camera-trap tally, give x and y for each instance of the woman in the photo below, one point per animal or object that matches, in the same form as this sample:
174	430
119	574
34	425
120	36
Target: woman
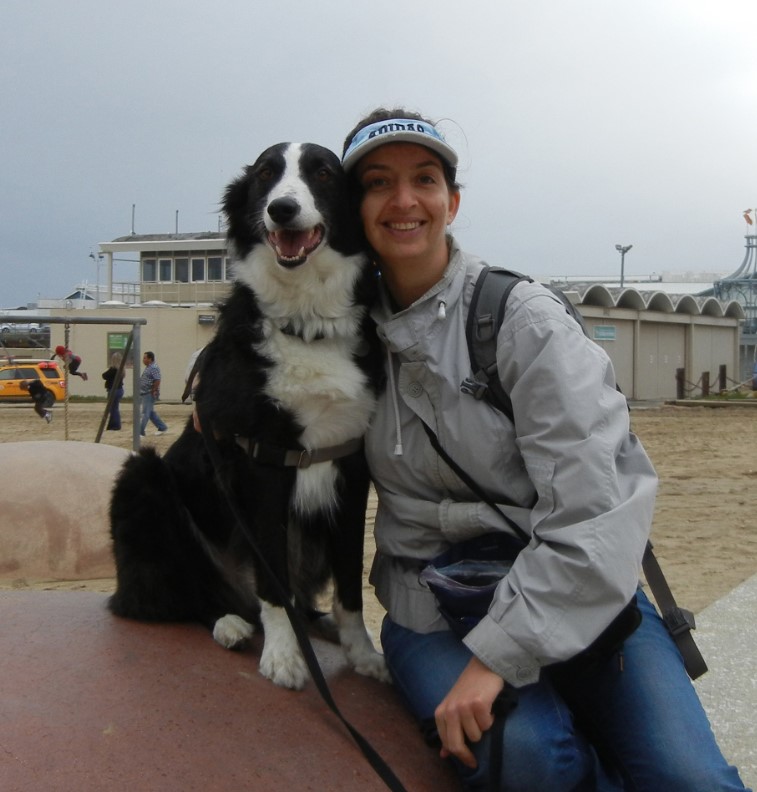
116	383
568	472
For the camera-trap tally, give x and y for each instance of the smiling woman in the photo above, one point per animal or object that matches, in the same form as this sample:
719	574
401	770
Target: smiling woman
574	494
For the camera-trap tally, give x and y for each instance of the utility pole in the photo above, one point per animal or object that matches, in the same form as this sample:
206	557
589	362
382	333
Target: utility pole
622	249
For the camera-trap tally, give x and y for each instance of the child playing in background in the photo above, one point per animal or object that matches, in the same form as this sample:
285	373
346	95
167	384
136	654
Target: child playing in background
70	360
42	397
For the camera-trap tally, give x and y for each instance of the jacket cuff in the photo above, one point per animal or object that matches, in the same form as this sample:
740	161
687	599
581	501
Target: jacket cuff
497	650
459	521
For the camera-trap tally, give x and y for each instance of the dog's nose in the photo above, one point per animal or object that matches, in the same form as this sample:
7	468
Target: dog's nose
283	210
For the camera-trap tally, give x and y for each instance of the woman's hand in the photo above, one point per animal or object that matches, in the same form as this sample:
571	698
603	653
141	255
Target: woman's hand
466	711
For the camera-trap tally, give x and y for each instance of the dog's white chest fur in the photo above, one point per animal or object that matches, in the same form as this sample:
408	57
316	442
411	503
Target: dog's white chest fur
321	385
329	397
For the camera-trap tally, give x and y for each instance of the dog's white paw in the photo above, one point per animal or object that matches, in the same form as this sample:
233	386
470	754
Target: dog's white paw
358	646
286	669
281	660
231	631
370	663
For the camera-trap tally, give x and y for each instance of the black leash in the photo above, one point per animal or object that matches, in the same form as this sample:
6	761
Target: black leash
372	756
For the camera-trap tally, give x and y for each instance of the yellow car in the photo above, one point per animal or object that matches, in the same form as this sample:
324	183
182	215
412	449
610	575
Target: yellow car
13	374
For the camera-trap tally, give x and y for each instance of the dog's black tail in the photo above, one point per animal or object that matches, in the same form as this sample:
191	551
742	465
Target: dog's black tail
164	571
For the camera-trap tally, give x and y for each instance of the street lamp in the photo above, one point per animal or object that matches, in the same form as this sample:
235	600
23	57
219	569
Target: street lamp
98	260
622	249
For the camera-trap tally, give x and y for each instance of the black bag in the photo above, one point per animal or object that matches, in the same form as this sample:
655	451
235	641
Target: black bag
463	581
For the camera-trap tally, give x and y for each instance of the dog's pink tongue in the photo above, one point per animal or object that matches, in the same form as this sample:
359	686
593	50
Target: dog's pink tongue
291	244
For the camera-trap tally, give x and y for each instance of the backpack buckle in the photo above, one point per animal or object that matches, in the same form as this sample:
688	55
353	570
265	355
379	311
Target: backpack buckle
473	387
679	620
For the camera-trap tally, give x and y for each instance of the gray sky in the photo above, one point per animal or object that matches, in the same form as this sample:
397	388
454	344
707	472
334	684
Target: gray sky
579	124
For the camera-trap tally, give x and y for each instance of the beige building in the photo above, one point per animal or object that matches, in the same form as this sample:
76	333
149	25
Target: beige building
649	335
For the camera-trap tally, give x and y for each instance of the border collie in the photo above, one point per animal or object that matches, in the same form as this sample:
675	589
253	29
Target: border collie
287	387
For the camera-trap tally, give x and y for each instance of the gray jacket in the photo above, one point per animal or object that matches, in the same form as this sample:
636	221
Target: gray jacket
570	452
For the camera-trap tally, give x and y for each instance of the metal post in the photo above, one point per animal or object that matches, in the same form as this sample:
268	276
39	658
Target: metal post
137	411
622	249
680	384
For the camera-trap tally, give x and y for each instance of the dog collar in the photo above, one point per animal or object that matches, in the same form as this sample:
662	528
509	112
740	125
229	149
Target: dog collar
268	454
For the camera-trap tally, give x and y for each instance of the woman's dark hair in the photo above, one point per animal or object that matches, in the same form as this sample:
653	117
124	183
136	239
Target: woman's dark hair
386	114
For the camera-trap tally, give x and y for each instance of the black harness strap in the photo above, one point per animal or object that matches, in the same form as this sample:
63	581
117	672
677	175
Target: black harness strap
372	756
268	454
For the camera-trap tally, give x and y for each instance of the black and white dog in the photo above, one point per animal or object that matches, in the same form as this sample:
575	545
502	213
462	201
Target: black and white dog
286	387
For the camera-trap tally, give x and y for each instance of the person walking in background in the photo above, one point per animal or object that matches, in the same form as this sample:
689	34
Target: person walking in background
149	393
70	361
114	383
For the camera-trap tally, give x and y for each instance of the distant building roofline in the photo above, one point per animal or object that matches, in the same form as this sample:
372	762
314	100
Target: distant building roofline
201	240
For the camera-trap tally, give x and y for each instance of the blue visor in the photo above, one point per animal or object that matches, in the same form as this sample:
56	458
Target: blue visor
398	130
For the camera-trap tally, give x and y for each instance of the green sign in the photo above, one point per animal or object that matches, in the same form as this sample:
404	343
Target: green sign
117	343
604	333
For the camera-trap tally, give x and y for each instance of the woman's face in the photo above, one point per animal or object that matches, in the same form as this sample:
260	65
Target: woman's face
406	206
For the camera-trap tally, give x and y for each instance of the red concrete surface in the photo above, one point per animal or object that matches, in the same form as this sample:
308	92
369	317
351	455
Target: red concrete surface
89	702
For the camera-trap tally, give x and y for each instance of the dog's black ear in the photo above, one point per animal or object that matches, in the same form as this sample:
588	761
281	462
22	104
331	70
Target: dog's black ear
234	205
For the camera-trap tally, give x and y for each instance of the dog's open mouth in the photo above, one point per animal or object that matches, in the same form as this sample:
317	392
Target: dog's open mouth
293	247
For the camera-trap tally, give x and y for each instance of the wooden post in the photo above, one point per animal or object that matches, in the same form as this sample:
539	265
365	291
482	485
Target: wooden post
705	384
680	382
722	379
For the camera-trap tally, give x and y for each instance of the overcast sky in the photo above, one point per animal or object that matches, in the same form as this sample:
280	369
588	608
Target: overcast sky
580	125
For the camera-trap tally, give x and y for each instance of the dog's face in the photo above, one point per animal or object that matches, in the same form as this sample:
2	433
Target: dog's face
293	201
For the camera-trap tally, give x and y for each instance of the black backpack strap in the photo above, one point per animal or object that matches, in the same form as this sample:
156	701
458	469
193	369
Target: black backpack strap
679	621
485	315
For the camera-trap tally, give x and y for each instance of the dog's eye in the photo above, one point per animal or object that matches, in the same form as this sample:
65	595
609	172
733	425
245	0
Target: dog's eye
265	173
323	174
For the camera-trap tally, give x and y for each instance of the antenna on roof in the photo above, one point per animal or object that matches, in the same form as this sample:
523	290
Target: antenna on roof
177	223
133	207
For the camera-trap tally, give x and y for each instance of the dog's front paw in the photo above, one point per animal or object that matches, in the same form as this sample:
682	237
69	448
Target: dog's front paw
231	631
358	646
371	663
281	660
284	666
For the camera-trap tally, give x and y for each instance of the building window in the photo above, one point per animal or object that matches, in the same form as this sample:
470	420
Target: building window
215	268
182	270
148	270
166	267
198	269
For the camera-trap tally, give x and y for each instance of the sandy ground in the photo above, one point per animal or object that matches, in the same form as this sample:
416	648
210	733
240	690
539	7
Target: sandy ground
704	529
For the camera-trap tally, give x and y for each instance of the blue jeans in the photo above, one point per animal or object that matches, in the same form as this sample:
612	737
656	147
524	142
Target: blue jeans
642	728
114	419
149	414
